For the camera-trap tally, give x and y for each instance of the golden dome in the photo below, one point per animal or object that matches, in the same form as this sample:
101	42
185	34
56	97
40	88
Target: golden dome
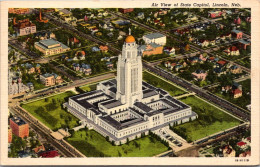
130	39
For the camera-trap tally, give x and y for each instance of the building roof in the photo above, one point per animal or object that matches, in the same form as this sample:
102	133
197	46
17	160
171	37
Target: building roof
236	31
49	154
244	42
149	93
111	104
222	62
142	106
18	120
237	91
154	35
130	39
241	143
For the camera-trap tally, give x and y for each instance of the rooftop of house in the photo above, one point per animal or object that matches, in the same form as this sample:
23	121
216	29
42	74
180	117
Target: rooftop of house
236	31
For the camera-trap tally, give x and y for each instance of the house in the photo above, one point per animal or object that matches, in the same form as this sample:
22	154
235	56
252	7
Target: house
103	48
219	71
235	69
85	68
245	154
38	68
232	51
169	50
19	127
226	88
74	41
178	67
236	86
172	66
202	58
49	154
199	75
228	151
203	42
243	44
237	34
193	60
248	19
109	65
221	63
151	49
167	64
30	86
237	93
242	145
237	21
29	68
214	13
39	149
95	49
126	10
156	38
140	15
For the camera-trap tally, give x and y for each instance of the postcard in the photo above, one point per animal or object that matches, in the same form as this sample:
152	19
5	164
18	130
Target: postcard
130	83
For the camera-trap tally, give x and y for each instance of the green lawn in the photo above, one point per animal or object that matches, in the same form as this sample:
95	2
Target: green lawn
158	82
210	120
50	112
92	144
88	87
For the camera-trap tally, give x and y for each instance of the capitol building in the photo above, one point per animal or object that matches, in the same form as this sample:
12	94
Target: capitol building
126	107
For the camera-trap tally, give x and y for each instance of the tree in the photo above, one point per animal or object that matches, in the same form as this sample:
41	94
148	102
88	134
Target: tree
127	141
119	154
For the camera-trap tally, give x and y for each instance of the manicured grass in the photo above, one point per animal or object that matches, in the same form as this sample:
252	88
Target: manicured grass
210	120
157	82
50	112
92	144
88	87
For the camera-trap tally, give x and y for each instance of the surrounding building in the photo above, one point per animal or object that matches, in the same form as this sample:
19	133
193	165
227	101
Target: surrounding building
228	151
156	38
150	49
215	13
232	51
19	10
237	34
50	79
126	10
50	47
199	75
15	85
19	127
126	107
24	27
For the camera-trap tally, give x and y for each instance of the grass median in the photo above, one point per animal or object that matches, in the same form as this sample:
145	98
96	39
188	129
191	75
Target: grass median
210	120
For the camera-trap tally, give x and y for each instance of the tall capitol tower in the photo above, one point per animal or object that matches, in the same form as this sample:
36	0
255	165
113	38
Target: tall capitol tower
129	73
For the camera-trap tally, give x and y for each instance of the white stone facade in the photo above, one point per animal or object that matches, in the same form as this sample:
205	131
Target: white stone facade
157	38
126	107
